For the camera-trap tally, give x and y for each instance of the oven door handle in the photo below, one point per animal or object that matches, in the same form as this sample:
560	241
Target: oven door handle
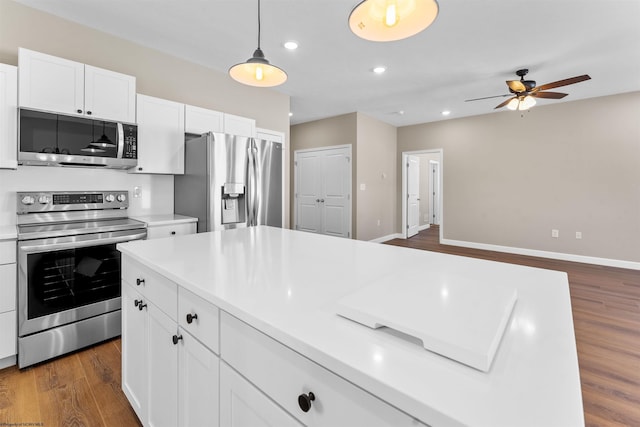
78	242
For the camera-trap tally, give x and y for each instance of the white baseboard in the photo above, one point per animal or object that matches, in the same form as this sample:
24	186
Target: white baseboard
7	361
546	254
424	227
386	238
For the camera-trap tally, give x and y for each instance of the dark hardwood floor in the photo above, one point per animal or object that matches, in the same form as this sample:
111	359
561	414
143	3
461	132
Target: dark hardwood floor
606	315
83	389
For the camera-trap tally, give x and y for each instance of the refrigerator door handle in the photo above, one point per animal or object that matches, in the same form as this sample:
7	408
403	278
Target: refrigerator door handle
253	188
257	185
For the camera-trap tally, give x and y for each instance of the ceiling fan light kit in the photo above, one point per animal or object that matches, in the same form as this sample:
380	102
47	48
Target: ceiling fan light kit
390	20
257	71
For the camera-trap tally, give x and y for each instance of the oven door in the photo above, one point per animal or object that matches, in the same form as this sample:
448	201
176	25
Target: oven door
65	279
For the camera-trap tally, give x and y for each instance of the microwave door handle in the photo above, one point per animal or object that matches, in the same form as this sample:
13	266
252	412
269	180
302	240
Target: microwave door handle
37	246
120	137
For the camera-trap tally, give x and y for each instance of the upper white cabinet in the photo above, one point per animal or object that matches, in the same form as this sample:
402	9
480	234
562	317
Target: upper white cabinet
201	120
160	136
242	126
270	135
8	117
56	84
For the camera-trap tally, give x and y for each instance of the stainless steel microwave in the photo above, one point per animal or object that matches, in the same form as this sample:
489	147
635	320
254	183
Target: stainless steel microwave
50	139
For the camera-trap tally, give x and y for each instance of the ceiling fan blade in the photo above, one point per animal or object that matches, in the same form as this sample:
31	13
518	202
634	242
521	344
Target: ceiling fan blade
487	97
550	95
564	82
502	104
516	86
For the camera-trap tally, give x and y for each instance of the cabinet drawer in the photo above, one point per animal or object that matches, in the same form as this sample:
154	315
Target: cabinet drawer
7	287
159	231
200	318
7	334
153	286
283	375
7	251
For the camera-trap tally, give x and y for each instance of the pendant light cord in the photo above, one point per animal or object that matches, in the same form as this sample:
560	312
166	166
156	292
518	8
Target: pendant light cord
258	24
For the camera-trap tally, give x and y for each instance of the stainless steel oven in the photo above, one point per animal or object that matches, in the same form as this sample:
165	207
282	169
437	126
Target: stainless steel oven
69	270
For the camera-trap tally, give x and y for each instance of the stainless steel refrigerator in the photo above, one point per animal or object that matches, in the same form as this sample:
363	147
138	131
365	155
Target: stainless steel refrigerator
230	181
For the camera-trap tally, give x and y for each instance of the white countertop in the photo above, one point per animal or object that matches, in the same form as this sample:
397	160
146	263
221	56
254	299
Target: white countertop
166	219
287	284
8	232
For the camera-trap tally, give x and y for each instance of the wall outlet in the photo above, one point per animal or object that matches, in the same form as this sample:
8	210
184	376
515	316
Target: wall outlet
555	233
578	234
363	187
137	191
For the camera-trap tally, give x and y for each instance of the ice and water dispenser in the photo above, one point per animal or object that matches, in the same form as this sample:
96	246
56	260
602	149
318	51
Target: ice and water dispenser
233	203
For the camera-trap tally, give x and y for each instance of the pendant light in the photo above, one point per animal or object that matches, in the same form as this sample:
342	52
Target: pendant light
103	141
257	71
390	20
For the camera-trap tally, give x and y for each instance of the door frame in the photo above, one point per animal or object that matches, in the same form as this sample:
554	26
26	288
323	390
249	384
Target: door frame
403	196
434	189
295	181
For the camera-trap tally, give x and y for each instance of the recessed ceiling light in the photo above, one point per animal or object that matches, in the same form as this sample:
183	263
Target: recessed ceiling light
290	114
379	70
446	112
291	45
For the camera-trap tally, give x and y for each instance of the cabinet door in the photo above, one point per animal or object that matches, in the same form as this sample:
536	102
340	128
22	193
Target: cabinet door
197	383
200	120
243	405
134	351
8	116
242	126
50	83
162	363
109	95
160	136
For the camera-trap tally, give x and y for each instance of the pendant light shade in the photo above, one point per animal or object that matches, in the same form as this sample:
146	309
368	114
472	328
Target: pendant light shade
389	20
104	141
521	103
257	71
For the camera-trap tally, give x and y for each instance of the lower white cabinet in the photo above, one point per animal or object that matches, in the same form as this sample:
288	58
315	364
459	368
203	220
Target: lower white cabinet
171	230
8	280
169	377
243	405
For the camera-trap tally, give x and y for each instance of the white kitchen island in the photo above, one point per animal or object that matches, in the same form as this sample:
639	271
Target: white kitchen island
265	301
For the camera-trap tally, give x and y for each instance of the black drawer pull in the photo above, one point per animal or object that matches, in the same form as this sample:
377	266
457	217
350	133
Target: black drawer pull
304	401
173	233
79	111
176	338
191	317
139	282
141	305
137	301
89	112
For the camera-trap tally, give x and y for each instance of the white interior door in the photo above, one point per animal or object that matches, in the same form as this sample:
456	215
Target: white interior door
434	192
323	191
413	195
308	188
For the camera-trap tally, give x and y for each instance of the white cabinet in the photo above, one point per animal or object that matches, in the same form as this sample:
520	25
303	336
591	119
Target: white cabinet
56	84
237	125
8	286
171	230
160	136
270	135
168	376
201	120
243	405
8	117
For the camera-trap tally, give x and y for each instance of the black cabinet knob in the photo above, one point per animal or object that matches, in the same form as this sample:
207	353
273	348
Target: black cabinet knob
137	301
304	401
79	111
173	233
191	317
139	282
176	338
89	112
141	305
139	169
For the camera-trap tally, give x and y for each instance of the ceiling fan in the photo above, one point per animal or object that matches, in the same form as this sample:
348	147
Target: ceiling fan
524	92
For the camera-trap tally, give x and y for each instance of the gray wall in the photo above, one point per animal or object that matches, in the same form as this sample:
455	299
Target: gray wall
157	74
510	178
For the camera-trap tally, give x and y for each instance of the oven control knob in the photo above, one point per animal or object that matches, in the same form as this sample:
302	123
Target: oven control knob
43	200
110	198
122	197
28	200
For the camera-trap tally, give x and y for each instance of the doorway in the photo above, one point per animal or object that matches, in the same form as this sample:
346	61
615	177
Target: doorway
322	190
429	211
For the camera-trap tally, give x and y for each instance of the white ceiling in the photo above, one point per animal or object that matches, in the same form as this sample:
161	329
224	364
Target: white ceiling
469	51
